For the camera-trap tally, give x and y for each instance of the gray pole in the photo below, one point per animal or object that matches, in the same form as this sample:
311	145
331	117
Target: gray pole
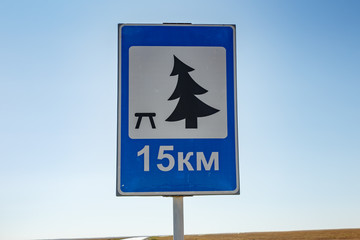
178	214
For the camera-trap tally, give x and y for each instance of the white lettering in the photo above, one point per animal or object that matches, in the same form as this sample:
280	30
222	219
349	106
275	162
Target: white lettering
200	159
182	160
214	158
168	156
145	152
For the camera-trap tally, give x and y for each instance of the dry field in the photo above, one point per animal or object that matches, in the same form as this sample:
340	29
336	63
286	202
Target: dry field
349	234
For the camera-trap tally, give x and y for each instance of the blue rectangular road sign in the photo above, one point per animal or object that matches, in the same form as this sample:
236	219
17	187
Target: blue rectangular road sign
177	117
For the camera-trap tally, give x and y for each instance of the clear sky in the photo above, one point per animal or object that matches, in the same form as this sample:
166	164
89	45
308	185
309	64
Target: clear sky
298	71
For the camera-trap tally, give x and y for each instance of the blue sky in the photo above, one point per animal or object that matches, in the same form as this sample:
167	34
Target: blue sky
298	105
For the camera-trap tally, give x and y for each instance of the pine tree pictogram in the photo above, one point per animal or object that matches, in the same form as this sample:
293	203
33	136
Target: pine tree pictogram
189	106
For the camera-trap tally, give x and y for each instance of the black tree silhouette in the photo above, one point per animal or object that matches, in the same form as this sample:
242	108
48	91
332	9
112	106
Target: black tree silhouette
189	106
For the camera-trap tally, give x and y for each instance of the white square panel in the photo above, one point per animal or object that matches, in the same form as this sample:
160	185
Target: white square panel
150	87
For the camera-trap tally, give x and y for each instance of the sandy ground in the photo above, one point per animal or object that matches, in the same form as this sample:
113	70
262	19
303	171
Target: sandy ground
136	238
349	234
344	234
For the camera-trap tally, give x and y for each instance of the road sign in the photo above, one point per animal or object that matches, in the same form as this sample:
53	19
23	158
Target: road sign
177	121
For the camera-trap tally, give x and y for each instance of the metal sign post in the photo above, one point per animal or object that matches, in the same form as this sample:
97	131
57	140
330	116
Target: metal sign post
178	216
